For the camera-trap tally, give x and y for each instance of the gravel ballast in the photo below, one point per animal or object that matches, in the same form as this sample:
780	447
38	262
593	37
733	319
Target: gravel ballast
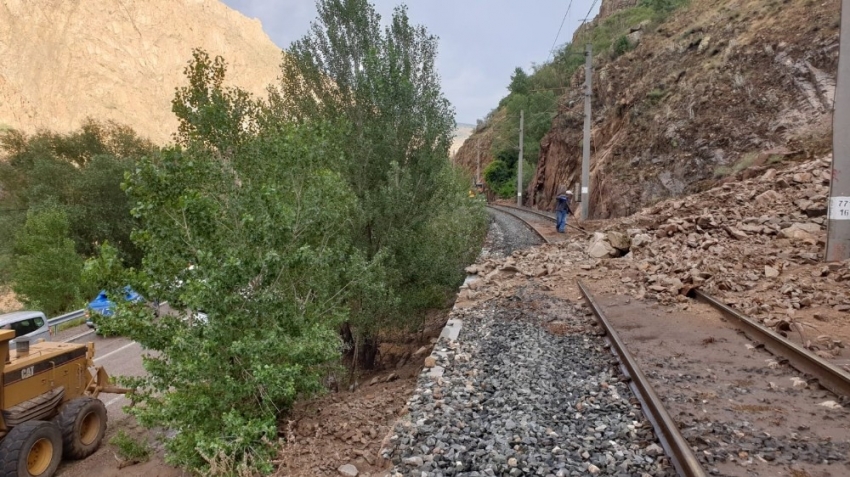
524	393
507	234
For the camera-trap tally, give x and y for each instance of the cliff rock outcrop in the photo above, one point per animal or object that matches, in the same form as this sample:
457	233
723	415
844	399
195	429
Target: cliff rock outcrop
65	60
473	151
721	86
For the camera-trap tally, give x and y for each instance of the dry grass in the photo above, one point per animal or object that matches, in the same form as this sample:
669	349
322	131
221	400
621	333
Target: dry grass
8	300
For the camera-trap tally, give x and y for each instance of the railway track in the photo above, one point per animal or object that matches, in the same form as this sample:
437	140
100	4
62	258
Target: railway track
815	373
543	215
677	448
527	390
525	222
717	396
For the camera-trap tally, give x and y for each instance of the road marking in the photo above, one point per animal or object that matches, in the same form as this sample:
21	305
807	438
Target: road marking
81	335
113	401
116	351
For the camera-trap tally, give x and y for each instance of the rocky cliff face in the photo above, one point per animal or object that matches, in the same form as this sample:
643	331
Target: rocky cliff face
609	7
474	150
65	60
720	87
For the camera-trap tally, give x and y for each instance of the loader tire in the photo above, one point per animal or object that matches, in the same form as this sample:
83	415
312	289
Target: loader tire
83	425
31	449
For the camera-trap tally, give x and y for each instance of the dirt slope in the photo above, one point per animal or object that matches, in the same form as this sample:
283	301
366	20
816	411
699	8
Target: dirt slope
118	59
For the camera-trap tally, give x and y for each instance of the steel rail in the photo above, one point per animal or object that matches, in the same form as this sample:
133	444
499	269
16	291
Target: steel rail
830	376
525	222
545	216
677	448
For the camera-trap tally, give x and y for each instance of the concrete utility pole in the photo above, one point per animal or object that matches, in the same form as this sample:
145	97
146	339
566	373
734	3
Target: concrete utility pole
519	161
838	228
478	169
585	158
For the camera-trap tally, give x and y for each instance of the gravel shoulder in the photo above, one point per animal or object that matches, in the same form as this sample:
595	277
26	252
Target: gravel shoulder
528	388
508	234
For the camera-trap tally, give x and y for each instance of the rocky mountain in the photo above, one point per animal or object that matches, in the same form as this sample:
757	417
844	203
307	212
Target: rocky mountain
65	60
462	132
718	87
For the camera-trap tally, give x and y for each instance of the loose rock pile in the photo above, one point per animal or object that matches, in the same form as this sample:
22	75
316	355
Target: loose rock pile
524	393
757	244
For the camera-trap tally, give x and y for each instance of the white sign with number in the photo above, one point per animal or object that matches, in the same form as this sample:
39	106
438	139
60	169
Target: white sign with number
839	208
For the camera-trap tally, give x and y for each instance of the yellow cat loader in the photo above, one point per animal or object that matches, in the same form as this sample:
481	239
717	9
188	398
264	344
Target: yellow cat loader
48	405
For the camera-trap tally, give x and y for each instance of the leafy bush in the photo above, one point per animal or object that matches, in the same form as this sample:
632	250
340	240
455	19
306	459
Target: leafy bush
501	175
47	269
656	95
622	46
501	179
130	449
663	6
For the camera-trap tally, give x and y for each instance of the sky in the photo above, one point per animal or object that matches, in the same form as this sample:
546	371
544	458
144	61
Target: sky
481	42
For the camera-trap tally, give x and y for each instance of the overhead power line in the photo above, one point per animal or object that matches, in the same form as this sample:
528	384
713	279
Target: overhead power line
559	30
589	11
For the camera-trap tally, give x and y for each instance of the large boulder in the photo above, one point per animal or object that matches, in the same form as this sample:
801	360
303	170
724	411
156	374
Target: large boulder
640	240
619	240
802	232
599	247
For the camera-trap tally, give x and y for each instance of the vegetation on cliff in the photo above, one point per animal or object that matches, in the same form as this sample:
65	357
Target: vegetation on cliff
537	94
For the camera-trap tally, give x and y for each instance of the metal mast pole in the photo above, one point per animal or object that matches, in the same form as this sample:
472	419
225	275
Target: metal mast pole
519	161
838	228
478	169
585	158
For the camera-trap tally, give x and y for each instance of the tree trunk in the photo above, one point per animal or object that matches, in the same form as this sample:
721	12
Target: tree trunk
367	352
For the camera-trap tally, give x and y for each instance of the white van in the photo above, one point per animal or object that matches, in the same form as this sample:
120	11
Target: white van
32	324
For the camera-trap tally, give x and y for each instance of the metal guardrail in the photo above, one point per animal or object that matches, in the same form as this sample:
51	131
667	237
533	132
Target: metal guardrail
54	323
677	448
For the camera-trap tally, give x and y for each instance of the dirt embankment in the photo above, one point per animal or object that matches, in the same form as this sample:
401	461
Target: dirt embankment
8	301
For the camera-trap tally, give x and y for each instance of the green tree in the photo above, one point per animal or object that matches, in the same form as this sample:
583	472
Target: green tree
538	110
519	82
265	225
381	88
47	271
82	172
99	209
501	179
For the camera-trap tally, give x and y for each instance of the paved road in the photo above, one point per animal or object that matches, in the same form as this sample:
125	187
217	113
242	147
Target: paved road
119	356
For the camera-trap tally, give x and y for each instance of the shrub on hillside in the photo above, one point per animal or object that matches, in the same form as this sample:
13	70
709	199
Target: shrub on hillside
47	269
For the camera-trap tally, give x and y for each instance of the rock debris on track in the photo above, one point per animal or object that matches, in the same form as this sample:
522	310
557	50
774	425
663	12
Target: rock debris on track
524	393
